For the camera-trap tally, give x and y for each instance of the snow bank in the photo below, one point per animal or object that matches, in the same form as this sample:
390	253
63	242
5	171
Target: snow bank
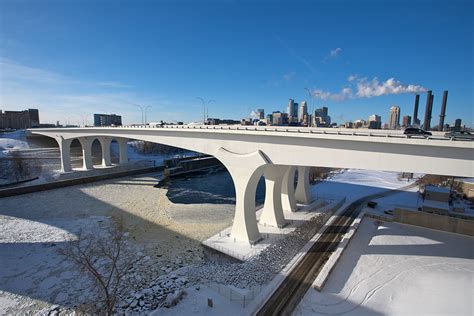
394	269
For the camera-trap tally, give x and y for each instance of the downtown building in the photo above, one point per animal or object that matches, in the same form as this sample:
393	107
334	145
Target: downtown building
107	120
19	119
394	117
374	122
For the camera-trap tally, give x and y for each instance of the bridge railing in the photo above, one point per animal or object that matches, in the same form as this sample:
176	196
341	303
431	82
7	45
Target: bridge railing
302	130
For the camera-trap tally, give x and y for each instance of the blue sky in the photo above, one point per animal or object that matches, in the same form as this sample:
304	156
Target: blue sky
73	58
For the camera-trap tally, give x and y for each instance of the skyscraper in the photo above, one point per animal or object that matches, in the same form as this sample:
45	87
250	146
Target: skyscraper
261	114
303	111
394	117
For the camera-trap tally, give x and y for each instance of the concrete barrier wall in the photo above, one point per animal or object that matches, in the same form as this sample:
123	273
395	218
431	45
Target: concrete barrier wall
70	182
434	221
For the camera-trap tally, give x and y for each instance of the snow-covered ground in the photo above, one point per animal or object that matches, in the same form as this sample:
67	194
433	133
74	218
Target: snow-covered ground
395	269
12	141
355	183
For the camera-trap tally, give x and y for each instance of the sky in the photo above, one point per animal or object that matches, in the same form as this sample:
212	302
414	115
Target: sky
72	58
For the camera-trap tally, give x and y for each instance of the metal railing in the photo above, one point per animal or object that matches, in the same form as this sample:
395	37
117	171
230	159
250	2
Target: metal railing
234	295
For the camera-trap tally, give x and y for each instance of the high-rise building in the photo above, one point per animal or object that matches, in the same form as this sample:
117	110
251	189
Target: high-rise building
303	111
321	117
292	111
406	121
360	123
457	124
375	122
261	114
19	119
279	118
394	117
107	120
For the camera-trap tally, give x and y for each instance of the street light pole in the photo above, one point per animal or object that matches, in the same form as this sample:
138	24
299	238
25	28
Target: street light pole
148	106
204	108
310	121
141	108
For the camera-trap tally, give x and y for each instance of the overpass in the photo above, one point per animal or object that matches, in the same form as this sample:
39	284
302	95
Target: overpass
276	153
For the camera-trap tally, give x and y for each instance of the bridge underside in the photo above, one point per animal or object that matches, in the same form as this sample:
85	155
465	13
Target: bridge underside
248	158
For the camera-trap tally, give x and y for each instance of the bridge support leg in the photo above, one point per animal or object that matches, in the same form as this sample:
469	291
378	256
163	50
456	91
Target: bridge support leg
86	144
105	145
288	198
65	153
246	171
122	142
272	213
303	192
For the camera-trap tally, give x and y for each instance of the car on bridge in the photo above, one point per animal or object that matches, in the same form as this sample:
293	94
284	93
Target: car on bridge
413	131
460	135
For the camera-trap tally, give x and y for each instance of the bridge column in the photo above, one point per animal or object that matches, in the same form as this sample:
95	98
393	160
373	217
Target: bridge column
86	144
122	142
105	145
65	153
288	199
303	192
246	170
272	213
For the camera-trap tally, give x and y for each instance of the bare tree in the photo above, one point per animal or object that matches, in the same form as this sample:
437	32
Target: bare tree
107	259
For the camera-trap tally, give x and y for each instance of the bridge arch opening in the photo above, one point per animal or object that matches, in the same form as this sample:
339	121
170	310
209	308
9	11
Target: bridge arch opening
76	155
97	153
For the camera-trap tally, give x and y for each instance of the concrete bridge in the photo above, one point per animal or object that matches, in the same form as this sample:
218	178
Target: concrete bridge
276	153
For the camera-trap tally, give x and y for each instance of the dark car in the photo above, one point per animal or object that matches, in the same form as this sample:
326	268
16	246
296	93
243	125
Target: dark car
462	135
413	131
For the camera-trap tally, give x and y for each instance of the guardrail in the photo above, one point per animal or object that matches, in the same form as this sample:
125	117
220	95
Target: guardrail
300	130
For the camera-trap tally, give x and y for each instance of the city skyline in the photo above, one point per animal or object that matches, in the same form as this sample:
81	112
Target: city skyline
59	63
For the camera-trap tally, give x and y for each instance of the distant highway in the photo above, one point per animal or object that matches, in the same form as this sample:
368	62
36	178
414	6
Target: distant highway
293	288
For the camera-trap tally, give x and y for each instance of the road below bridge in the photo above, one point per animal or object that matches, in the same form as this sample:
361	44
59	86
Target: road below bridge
293	288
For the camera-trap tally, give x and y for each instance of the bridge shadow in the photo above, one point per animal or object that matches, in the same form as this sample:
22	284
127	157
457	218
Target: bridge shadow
30	265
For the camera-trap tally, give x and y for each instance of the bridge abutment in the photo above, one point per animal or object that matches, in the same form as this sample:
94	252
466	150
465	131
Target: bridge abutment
303	189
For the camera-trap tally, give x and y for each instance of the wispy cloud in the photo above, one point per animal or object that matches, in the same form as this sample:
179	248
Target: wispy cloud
297	56
13	71
285	78
333	54
365	88
61	97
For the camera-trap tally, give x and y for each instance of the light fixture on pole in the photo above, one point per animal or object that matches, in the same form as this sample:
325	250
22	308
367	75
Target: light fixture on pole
204	103
146	108
310	121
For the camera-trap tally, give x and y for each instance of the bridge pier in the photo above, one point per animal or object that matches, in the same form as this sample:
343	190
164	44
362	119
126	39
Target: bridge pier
303	189
105	145
246	171
272	213
65	153
86	144
122	142
288	198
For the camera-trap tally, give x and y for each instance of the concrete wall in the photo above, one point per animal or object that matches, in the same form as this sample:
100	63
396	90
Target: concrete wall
433	221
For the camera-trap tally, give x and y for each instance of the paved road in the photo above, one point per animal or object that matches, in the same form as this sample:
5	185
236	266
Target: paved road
285	299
